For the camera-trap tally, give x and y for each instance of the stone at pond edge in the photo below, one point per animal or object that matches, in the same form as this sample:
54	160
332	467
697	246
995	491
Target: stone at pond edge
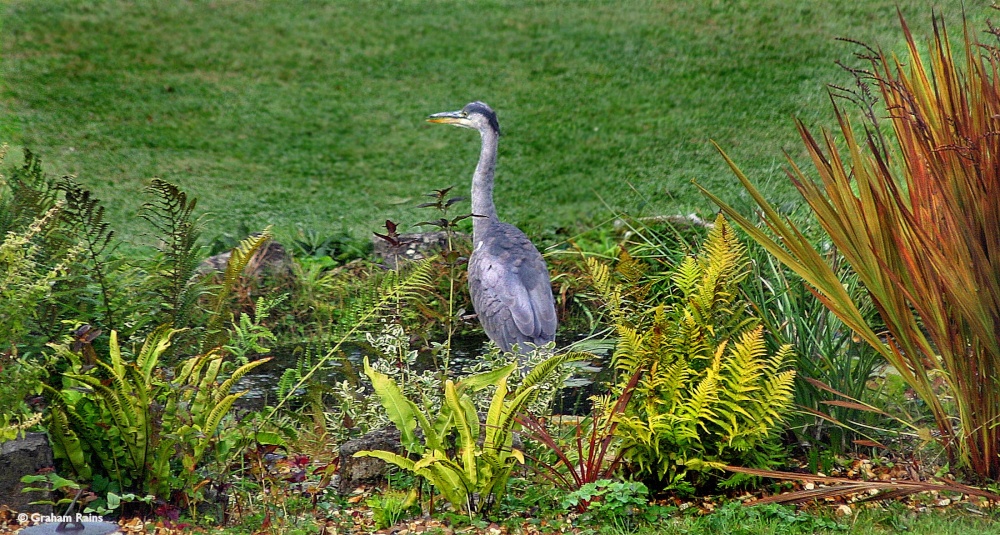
22	457
271	259
413	246
357	471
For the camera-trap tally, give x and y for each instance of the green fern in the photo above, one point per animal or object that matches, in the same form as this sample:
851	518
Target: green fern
711	394
239	257
26	195
122	419
171	214
84	215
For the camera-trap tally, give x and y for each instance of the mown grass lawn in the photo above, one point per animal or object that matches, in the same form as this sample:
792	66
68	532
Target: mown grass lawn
309	115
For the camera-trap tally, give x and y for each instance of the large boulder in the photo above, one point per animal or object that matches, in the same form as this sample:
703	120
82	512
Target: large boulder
22	457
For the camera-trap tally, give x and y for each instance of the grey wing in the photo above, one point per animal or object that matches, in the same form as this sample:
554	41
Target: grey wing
511	291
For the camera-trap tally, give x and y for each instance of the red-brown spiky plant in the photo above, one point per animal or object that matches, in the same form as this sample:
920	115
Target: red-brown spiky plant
917	214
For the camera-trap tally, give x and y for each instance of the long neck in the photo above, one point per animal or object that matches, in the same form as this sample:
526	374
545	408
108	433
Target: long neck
482	184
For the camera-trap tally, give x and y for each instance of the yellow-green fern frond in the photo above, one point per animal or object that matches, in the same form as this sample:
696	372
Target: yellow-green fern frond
687	276
239	256
630	269
600	277
724	249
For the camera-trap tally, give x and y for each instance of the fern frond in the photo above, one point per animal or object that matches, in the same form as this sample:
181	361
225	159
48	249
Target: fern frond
600	277
687	275
171	214
238	374
65	441
745	364
630	269
628	354
724	248
239	256
85	216
26	195
777	393
700	406
541	371
153	347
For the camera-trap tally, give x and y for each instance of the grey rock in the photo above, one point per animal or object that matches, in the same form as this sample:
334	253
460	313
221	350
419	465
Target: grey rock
413	246
271	259
22	457
358	471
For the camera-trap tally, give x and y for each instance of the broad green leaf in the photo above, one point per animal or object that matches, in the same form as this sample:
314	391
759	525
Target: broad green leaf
389	457
401	411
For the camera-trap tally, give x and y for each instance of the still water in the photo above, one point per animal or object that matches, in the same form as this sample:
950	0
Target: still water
262	383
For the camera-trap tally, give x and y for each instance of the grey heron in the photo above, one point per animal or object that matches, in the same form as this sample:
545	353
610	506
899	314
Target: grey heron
508	279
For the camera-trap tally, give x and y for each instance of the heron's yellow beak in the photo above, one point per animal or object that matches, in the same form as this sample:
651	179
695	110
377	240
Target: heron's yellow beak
456	118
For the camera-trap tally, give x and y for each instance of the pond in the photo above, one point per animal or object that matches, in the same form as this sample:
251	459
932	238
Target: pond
262	383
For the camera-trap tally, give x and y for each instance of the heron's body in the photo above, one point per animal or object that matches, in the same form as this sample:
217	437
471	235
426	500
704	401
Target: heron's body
508	279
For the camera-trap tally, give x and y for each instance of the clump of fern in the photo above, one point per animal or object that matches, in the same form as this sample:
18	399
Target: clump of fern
710	394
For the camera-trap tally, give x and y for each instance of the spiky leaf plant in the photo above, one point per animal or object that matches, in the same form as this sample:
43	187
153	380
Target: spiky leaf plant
122	419
915	213
710	394
466	461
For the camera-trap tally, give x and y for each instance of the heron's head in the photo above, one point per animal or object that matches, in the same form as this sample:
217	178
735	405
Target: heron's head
475	115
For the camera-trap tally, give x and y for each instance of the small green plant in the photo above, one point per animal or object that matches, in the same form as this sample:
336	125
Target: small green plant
249	334
328	250
473	476
391	506
624	505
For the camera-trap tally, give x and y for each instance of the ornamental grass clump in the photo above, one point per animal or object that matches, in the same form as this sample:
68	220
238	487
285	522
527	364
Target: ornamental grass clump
911	202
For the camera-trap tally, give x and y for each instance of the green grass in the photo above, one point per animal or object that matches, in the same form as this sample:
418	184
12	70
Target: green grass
885	520
310	114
